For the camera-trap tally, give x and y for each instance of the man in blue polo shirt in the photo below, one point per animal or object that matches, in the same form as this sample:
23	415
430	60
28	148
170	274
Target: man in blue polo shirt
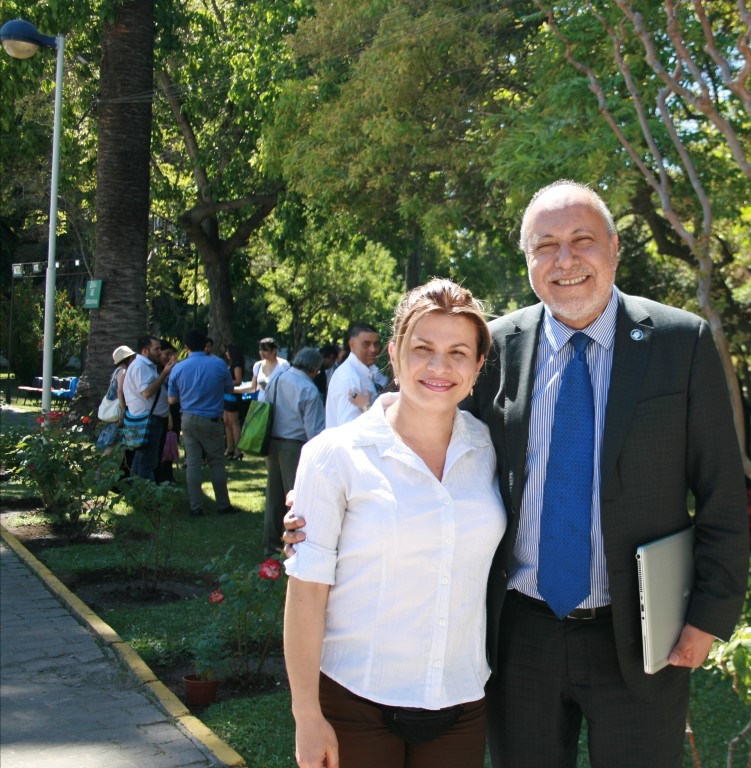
198	383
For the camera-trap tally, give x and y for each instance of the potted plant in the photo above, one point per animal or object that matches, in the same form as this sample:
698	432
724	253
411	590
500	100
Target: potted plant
209	655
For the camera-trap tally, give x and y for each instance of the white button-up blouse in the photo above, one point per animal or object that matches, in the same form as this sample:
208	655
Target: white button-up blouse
407	556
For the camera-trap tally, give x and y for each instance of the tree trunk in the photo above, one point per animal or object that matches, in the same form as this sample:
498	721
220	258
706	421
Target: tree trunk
122	197
221	309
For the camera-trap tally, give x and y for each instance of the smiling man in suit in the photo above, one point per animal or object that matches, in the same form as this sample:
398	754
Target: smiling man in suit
661	428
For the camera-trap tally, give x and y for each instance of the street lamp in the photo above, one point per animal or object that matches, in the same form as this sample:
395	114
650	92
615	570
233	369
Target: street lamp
21	40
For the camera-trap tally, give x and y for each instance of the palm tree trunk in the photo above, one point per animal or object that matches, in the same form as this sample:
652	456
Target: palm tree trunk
122	196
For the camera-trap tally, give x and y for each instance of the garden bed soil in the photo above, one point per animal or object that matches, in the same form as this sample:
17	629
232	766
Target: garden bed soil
108	589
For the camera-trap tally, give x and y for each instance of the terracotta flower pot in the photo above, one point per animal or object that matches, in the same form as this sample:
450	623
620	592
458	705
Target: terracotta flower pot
199	693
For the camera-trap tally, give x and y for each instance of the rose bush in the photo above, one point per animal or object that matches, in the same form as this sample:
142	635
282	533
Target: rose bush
248	605
62	466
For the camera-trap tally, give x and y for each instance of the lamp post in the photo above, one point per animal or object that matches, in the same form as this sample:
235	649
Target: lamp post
21	40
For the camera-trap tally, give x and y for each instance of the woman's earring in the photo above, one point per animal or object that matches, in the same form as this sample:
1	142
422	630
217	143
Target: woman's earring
396	381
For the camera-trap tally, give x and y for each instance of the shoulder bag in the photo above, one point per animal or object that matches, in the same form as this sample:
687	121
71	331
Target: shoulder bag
136	428
110	409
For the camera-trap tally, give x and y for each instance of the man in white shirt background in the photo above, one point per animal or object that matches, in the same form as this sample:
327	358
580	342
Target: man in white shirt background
142	384
352	388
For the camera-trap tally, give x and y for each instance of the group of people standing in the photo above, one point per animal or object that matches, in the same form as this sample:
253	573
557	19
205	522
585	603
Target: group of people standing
201	398
187	398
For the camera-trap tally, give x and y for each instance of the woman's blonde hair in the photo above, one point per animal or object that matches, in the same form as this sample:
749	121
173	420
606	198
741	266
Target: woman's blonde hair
443	296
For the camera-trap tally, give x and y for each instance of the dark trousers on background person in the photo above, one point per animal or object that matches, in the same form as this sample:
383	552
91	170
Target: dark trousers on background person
160	475
281	464
147	458
366	741
553	672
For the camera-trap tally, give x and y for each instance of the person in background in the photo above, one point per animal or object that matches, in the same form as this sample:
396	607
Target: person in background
122	357
168	451
209	348
236	362
199	383
353	385
142	389
329	354
385	618
265	369
298	417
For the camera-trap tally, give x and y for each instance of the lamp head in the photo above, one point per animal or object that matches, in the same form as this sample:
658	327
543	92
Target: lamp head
21	40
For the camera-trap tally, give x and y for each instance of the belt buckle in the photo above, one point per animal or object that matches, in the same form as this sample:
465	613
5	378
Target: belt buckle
591	613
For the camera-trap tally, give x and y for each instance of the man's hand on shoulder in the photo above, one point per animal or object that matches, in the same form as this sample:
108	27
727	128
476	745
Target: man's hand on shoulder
292	523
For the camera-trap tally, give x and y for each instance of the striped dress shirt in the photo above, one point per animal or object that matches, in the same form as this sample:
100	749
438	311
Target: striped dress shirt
553	355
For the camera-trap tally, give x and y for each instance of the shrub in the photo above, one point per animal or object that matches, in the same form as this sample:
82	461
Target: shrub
60	463
248	604
155	505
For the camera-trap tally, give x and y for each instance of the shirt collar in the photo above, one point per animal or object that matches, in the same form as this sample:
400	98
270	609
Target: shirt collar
374	429
601	330
360	367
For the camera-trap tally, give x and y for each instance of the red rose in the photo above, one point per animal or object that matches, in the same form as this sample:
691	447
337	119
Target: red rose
85	419
216	596
270	569
40	420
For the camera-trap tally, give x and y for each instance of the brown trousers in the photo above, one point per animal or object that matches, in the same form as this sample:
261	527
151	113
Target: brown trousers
365	741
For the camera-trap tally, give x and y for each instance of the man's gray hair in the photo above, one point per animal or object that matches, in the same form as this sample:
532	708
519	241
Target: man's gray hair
308	359
597	203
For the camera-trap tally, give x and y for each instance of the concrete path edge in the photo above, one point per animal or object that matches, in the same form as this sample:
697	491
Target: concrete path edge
167	700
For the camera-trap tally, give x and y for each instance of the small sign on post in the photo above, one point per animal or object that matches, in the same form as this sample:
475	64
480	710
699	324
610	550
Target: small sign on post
93	294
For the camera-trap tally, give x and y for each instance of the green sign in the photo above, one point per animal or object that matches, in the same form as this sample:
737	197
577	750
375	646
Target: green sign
93	294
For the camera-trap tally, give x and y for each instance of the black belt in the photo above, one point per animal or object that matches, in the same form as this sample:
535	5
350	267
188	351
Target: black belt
288	440
578	614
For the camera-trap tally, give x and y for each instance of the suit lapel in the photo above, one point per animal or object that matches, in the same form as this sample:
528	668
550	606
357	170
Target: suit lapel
632	344
520	351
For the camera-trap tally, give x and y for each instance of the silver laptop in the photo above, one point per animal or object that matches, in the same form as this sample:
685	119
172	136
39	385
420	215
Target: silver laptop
666	578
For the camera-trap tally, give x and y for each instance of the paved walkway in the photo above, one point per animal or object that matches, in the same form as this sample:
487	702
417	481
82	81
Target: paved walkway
73	695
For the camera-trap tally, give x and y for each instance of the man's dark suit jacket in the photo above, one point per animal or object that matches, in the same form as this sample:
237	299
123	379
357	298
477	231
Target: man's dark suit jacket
668	430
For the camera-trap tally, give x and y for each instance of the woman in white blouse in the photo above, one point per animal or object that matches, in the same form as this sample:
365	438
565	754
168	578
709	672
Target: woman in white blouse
385	617
265	369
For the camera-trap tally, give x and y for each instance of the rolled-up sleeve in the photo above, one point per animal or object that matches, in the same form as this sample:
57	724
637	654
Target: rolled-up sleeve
320	498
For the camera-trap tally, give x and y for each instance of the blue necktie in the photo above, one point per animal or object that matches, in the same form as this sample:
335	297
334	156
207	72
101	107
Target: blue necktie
565	523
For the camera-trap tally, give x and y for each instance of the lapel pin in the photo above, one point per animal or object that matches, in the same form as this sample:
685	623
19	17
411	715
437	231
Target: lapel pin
637	335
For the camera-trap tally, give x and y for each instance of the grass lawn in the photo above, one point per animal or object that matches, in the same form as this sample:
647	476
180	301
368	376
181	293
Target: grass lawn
260	727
